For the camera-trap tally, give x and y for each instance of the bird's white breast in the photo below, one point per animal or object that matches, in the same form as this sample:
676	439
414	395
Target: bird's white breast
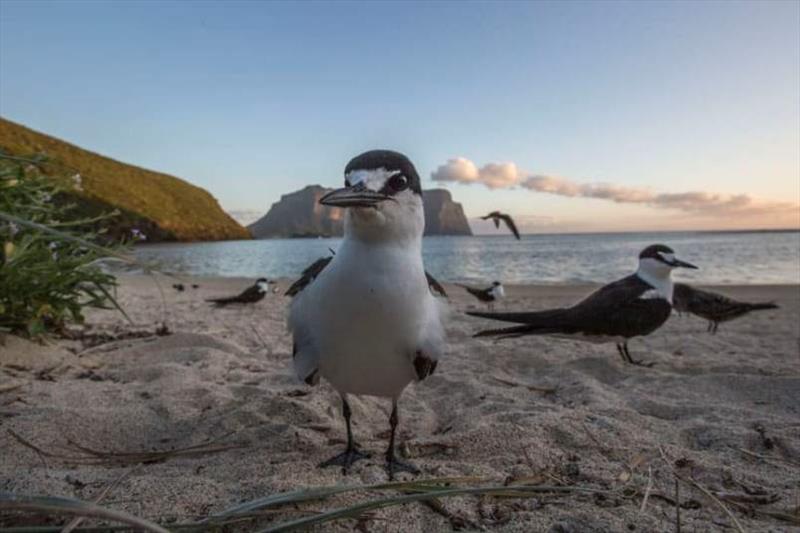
366	315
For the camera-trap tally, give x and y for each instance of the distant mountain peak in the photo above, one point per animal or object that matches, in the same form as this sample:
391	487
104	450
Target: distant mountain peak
299	214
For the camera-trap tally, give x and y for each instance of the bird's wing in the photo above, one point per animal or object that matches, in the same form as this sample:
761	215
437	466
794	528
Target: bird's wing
431	343
617	309
249	295
308	275
681	297
510	223
306	365
305	356
711	305
480	294
434	285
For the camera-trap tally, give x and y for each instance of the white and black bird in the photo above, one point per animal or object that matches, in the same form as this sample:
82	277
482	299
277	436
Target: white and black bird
633	306
365	319
497	216
712	306
489	295
252	294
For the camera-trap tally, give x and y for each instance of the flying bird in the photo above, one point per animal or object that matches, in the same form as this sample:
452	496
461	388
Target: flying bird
497	216
365	318
489	295
633	306
714	307
250	295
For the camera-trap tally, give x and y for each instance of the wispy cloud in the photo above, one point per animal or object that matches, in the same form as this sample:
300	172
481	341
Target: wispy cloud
508	175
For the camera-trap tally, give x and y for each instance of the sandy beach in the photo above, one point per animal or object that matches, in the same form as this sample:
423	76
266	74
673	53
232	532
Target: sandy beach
721	412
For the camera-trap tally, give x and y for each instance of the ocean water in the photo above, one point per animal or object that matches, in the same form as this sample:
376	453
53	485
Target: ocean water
723	257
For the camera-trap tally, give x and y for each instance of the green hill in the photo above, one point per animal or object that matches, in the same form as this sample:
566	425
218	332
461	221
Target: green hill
163	206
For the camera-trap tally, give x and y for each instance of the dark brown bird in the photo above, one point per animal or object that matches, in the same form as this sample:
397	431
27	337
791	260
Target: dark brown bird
250	295
497	216
634	306
712	306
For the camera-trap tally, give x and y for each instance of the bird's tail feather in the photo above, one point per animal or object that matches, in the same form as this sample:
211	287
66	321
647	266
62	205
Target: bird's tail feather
546	318
546	322
762	305
517	331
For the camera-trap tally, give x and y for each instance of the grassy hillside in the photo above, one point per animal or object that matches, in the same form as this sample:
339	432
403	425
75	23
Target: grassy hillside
165	207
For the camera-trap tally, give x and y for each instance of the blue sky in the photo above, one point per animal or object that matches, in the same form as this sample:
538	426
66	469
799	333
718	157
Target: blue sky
253	100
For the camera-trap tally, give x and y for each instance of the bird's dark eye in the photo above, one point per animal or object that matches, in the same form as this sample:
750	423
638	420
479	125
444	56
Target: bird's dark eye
398	183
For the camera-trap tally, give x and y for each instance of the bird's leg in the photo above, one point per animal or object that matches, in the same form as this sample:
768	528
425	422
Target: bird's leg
710	326
392	464
714	329
622	352
631	360
351	454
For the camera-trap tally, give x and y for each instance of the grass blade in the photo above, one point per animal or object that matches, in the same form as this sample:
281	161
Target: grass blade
356	510
305	495
50	504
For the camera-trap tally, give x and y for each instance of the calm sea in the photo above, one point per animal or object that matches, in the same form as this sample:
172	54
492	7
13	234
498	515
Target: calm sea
723	257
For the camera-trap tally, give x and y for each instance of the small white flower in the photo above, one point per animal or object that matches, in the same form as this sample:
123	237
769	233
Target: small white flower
138	235
77	182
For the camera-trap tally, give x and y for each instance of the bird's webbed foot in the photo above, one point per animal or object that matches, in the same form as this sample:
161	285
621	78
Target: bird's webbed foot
640	362
345	459
394	465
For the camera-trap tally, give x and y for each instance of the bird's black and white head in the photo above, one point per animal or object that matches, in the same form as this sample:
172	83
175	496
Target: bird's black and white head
497	290
658	261
263	284
383	197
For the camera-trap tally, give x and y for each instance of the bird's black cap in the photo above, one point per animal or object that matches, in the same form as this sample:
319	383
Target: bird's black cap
390	160
654	250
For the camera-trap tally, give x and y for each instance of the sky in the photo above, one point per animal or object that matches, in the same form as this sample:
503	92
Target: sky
595	116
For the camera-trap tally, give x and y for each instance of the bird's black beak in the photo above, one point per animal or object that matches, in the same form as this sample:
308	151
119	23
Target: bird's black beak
354	196
677	263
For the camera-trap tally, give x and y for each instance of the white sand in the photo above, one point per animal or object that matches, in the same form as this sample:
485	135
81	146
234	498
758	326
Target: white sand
718	402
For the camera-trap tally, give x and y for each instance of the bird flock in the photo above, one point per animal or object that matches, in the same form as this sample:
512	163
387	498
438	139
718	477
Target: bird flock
369	319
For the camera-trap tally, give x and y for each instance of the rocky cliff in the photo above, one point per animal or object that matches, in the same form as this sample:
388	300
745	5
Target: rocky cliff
299	214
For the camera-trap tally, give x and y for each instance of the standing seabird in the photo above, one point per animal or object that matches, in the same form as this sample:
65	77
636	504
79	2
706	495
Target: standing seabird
712	306
633	306
497	216
365	318
250	295
489	295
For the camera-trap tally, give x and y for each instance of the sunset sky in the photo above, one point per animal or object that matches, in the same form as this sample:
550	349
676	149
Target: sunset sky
571	116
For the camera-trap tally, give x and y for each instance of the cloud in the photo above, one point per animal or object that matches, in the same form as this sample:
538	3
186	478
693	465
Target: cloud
459	169
493	175
508	175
